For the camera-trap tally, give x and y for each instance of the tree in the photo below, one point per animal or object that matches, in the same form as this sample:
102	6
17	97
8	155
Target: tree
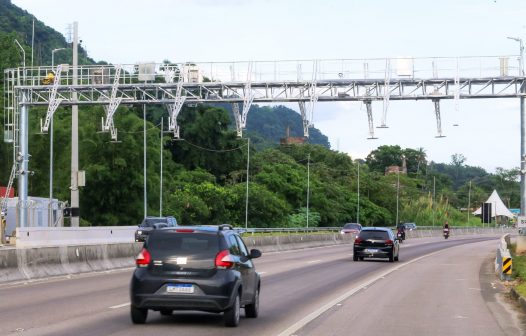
458	160
299	218
415	158
208	142
265	208
383	157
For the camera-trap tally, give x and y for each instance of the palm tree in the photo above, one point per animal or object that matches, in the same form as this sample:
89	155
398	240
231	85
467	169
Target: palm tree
421	158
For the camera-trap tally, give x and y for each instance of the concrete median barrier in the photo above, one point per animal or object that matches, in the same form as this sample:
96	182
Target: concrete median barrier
34	263
27	261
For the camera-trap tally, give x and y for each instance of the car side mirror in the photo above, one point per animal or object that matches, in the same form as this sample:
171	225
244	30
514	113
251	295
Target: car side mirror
254	254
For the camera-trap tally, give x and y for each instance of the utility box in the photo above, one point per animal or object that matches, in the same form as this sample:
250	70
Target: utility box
146	72
192	74
81	178
37	213
504	68
404	67
100	76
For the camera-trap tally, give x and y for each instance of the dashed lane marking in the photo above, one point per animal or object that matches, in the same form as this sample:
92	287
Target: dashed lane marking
120	306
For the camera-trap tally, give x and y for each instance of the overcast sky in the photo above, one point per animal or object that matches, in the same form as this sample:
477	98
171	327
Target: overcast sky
488	131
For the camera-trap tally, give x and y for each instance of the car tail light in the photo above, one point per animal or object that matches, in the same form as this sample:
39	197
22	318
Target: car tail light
143	259
389	242
224	259
358	240
184	230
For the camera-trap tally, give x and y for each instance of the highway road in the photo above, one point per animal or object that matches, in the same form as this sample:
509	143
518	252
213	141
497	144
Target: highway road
439	287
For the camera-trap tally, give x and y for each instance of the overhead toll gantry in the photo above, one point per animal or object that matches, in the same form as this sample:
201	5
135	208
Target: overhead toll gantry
306	82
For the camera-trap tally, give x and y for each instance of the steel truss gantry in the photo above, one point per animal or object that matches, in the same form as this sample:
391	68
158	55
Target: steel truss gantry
306	82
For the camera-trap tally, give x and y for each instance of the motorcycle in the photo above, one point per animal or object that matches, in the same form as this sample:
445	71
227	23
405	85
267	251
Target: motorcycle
446	233
400	236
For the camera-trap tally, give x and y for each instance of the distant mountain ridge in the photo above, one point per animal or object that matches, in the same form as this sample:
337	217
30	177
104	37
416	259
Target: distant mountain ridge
272	123
14	19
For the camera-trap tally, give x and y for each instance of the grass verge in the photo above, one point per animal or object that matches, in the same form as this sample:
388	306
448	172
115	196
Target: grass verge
519	271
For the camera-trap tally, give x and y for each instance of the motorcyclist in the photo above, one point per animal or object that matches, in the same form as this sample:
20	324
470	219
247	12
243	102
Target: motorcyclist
446	228
401	229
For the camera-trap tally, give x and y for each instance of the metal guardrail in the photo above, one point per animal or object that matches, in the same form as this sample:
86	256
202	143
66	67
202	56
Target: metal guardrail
292	230
460	230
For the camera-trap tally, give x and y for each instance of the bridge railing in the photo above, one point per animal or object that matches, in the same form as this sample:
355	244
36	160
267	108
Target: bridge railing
389	69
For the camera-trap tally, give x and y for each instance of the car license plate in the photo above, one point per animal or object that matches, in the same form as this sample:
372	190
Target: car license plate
180	288
371	250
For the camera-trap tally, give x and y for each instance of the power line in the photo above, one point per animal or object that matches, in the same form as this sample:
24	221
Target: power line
213	150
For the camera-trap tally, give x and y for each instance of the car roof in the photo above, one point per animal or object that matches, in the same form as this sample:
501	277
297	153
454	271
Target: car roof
201	228
375	229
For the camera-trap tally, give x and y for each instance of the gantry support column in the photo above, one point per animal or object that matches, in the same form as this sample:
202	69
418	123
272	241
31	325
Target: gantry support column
523	151
23	158
521	238
75	202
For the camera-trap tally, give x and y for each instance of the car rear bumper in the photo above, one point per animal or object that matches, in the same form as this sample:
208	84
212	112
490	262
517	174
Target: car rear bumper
214	294
368	252
209	303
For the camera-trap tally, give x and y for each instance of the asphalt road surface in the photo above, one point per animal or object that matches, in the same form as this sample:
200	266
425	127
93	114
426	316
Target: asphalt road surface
439	287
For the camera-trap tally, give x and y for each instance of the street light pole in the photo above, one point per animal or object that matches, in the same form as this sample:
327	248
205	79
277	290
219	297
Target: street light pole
521	55
397	194
53	56
145	192
161	173
51	217
308	188
246	198
23	54
433	201
469	200
358	203
23	157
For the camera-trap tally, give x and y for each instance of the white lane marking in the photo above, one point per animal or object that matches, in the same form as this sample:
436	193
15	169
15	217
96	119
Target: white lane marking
315	314
120	306
313	261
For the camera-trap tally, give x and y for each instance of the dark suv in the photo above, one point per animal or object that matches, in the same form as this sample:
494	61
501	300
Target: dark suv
205	268
151	223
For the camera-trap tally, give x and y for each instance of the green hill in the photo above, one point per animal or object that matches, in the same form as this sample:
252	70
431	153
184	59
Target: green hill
19	22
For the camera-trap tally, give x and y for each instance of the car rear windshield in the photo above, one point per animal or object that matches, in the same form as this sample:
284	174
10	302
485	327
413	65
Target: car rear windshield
380	235
151	221
184	244
352	226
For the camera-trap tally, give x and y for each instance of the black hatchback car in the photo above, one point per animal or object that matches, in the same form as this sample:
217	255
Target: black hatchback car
204	268
151	223
376	242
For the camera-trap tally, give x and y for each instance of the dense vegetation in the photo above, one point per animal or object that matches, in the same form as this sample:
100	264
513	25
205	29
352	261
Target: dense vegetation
205	175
